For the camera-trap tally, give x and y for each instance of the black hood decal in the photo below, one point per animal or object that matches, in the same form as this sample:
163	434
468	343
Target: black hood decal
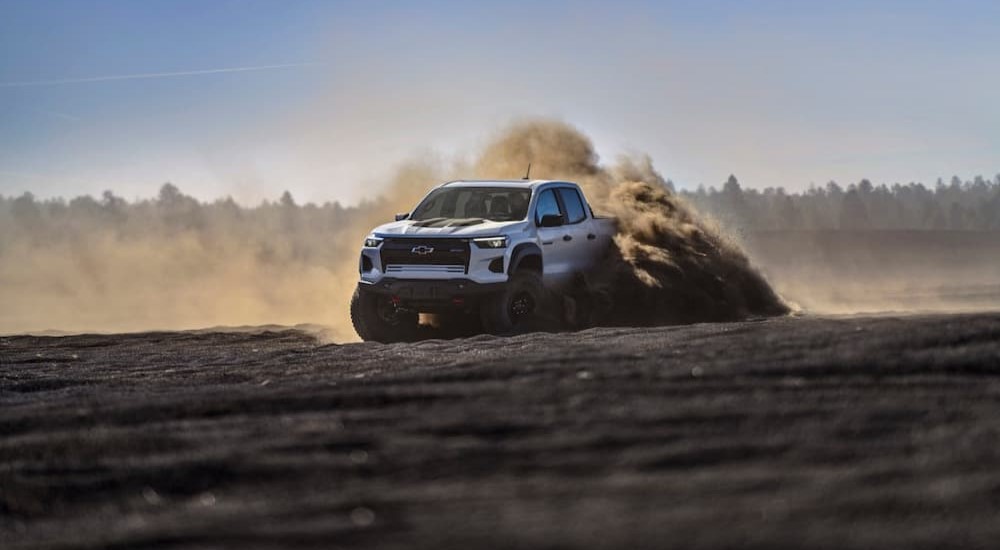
448	222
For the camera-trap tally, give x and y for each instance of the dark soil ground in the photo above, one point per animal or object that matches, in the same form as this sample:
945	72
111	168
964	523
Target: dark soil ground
785	433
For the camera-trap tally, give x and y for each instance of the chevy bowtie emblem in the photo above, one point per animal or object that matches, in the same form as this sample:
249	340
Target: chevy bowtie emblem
422	250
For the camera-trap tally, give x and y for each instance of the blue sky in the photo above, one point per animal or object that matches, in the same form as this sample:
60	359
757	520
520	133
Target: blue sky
777	92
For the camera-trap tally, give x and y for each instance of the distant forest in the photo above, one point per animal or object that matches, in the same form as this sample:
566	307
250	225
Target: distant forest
972	205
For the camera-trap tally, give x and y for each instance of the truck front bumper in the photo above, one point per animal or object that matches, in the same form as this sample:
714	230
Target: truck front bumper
432	295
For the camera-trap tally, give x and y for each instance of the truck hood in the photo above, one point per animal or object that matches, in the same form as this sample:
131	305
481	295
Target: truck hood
449	228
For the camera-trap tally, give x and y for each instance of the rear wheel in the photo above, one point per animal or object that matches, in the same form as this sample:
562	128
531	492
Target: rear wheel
377	319
517	307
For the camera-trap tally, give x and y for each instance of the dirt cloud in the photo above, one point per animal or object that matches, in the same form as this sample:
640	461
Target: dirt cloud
669	265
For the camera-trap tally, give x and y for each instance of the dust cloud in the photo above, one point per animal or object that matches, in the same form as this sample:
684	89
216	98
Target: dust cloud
107	265
175	263
668	265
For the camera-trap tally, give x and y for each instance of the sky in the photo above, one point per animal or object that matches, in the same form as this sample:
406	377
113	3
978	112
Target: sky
248	98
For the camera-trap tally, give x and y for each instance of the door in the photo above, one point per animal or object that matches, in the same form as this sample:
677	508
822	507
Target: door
578	232
556	249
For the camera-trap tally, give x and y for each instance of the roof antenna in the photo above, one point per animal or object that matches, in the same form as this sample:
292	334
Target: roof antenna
528	174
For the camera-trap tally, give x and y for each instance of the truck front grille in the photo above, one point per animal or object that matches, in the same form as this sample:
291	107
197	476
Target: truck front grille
404	269
403	254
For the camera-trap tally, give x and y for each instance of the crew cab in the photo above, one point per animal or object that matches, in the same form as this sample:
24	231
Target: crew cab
489	249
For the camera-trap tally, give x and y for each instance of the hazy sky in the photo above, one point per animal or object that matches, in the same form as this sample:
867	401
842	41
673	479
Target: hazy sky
329	96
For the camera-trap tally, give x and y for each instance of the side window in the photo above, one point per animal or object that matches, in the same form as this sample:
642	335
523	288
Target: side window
546	205
574	206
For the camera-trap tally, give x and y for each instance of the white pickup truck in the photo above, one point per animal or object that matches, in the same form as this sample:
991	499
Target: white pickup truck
486	248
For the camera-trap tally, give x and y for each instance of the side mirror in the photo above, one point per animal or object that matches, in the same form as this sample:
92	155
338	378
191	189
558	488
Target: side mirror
552	220
403	216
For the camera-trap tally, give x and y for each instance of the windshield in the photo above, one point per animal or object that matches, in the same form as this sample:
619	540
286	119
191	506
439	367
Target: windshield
499	204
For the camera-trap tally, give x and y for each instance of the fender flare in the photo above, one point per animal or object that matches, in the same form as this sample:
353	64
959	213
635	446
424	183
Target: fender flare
522	251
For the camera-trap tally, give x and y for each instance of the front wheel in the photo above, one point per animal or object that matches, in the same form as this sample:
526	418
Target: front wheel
517	307
376	318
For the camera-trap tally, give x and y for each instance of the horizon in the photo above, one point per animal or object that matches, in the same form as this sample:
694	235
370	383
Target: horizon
938	186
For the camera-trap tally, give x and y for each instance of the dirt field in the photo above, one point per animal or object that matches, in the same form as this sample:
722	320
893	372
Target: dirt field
820	432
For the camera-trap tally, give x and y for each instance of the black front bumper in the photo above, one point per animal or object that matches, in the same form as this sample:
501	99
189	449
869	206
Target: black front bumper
432	295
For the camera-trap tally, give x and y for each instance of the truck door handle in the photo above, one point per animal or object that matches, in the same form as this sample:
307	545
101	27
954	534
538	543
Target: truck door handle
591	236
567	237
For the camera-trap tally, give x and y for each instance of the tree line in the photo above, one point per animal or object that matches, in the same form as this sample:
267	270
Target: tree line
272	232
971	205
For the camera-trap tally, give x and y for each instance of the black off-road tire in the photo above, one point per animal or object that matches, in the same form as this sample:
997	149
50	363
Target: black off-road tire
375	319
505	312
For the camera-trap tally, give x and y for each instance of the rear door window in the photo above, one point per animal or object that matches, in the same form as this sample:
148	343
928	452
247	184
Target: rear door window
574	206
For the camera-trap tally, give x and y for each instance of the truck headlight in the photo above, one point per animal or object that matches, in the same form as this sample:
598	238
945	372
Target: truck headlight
491	242
372	242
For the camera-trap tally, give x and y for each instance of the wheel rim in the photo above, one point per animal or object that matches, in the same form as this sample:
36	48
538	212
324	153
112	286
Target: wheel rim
521	305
